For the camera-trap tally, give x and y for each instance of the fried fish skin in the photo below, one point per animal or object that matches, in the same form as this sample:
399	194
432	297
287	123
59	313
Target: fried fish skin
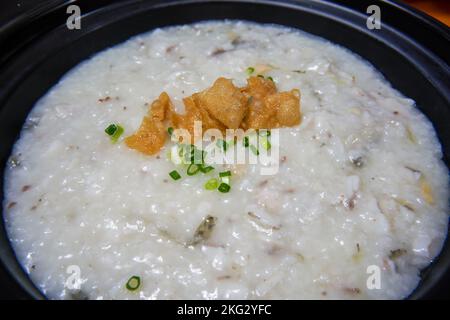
151	135
224	102
268	108
255	106
284	108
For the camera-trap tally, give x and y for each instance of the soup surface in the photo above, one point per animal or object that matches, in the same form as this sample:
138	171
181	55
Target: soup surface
358	205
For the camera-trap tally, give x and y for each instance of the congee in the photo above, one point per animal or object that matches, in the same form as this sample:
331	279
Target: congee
104	199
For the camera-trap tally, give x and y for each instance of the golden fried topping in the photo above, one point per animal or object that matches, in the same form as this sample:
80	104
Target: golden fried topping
151	135
269	109
285	108
255	106
224	102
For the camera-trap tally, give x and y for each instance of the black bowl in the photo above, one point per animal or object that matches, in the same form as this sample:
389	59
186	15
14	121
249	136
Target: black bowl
411	50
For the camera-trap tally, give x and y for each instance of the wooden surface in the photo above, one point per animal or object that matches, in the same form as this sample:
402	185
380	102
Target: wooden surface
439	9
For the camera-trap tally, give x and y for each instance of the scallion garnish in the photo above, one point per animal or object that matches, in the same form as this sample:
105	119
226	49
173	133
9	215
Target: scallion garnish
174	175
225	174
185	153
114	131
222	144
206	169
265	143
117	134
264	133
133	283
225	180
246	142
111	129
270	78
193	169
170	131
254	150
224	187
250	70
211	184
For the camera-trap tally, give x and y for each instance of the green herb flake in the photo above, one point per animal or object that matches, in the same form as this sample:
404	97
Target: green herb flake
224	187
115	137
175	175
246	142
192	169
206	169
265	143
133	283
254	150
222	144
114	131
264	133
250	70
225	174
212	184
111	129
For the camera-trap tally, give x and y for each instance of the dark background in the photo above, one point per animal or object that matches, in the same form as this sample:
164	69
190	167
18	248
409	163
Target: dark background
9	9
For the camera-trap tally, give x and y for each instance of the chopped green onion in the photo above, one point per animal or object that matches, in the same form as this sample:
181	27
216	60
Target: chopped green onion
175	175
225	180
133	283
211	184
193	169
270	78
170	131
198	156
111	129
261	76
206	169
246	142
224	187
186	153
254	150
265	143
222	144
191	154
117	134
250	70
114	131
264	133
225	174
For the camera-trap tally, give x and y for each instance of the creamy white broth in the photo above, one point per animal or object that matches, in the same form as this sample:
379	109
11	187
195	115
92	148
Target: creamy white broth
347	194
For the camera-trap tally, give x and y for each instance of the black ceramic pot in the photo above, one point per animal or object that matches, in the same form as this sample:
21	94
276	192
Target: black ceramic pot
37	49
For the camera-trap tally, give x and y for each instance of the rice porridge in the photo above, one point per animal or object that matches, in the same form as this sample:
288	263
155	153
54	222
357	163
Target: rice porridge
358	207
